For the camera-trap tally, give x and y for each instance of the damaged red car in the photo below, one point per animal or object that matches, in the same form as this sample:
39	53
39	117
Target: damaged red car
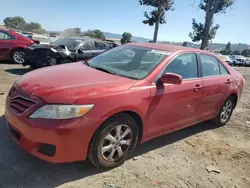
103	108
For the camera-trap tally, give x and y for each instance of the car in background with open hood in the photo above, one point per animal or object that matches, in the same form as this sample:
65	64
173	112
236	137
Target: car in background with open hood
63	50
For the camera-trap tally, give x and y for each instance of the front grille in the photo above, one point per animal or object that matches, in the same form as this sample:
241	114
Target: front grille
47	149
19	105
14	133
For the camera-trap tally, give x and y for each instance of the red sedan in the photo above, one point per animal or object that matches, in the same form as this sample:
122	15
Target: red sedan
13	45
101	109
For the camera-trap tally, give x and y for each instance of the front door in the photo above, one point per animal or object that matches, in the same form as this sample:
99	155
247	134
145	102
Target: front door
86	51
175	106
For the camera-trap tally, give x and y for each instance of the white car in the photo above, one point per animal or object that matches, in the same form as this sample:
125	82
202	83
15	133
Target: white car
238	60
226	58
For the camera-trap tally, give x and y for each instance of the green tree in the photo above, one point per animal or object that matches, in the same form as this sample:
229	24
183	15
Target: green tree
246	52
227	50
16	22
184	43
156	16
32	26
205	32
236	52
98	34
126	37
73	32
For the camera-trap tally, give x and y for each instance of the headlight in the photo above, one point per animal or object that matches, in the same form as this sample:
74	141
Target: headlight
54	111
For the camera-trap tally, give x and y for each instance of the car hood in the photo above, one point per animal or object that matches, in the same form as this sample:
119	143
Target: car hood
70	82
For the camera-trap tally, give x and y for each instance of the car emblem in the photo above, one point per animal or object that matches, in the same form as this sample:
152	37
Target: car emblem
12	92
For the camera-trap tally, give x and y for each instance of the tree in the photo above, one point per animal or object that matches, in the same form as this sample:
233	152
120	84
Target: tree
236	52
198	30
227	50
126	37
32	26
206	32
73	32
98	34
16	22
184	43
156	16
246	52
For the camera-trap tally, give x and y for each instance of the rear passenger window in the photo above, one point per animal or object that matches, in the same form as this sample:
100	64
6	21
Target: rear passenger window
209	66
223	69
184	65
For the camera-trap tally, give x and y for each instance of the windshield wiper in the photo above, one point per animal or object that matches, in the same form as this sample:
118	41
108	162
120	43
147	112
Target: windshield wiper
104	70
86	63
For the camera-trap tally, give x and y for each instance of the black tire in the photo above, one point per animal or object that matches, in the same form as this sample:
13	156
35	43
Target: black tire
96	156
219	120
20	58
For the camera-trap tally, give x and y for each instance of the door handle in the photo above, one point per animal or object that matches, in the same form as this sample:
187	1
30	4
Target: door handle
228	81
197	87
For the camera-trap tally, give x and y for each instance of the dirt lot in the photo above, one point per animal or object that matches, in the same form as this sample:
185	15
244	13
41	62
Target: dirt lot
180	159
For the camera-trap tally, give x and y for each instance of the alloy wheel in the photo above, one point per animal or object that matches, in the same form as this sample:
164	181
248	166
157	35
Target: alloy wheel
116	143
18	57
226	111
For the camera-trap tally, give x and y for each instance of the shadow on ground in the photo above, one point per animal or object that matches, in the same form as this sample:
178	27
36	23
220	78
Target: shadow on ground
19	169
18	71
6	62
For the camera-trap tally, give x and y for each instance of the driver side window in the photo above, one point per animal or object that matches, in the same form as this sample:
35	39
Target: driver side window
184	65
87	46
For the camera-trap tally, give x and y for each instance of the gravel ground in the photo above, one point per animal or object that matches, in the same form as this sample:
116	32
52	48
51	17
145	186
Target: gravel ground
181	159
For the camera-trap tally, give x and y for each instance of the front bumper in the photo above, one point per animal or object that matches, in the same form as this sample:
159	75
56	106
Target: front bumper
55	141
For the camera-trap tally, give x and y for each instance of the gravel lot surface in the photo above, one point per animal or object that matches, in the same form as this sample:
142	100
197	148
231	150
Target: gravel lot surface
199	156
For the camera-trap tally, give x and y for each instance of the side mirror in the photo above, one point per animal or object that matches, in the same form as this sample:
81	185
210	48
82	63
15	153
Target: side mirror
170	78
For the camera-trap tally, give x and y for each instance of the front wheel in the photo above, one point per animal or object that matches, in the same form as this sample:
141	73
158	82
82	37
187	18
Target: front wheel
225	112
113	143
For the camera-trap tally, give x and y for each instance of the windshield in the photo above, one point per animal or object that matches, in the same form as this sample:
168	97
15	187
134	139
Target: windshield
70	43
129	61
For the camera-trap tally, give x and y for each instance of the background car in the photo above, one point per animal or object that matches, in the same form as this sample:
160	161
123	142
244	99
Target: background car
238	60
63	50
226	58
13	46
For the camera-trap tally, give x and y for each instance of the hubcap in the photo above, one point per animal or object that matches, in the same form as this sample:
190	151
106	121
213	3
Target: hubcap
18	57
116	143
226	111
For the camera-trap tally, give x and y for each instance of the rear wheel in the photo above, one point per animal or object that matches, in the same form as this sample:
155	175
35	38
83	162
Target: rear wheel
113	143
17	56
225	112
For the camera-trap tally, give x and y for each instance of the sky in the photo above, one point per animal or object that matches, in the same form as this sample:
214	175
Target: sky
118	16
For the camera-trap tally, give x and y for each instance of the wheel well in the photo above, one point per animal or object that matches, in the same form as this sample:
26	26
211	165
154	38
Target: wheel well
235	97
139	122
19	48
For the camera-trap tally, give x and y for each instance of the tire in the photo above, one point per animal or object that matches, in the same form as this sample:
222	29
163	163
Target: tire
17	56
221	120
100	155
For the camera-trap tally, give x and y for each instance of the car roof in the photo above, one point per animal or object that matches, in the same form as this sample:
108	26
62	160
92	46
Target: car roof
168	47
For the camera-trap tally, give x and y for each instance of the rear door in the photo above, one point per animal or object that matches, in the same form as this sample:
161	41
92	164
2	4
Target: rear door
6	44
216	82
